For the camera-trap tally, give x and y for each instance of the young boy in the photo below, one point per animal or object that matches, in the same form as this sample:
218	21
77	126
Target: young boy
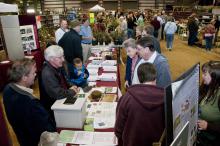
77	73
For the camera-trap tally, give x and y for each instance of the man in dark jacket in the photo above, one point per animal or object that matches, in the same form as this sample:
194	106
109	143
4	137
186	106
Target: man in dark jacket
26	115
53	84
193	28
71	42
140	112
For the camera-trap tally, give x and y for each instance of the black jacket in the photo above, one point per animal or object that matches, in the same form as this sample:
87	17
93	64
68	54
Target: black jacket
71	44
26	115
53	86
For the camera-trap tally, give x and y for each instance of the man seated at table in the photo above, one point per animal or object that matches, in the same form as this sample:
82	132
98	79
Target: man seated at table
26	115
53	84
140	112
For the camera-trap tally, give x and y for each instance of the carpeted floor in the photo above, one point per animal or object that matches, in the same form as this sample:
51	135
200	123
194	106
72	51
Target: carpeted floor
180	59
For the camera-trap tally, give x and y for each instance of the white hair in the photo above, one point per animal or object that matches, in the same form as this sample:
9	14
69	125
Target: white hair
53	51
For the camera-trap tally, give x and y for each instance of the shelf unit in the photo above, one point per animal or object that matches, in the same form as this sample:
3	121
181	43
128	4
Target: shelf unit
51	20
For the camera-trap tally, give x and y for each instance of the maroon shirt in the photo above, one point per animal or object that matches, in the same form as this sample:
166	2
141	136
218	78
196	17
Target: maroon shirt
140	116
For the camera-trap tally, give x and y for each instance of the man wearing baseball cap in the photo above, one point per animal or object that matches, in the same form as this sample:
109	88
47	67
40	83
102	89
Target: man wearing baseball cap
71	42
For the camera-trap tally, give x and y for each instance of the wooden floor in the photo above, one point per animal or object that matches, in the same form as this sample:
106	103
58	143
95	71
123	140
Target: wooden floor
180	59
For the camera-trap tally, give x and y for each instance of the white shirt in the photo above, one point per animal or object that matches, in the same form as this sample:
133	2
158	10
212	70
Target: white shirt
135	79
29	90
160	20
59	34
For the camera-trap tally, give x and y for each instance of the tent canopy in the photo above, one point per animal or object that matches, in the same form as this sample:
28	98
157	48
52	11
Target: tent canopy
8	8
97	8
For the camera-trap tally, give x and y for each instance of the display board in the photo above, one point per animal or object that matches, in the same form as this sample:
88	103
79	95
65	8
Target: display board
28	37
182	105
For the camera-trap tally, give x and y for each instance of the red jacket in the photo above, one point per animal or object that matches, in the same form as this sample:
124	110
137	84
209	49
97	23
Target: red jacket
140	116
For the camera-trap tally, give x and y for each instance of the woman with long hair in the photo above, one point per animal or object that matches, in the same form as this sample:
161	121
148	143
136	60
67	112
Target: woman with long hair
209	104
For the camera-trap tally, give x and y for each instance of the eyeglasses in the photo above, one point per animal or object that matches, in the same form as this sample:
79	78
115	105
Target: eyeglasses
61	57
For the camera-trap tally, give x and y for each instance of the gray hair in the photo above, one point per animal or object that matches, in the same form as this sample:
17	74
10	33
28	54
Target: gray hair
53	51
20	68
129	43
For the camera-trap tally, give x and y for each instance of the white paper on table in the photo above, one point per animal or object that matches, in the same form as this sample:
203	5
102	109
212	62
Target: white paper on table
97	62
103	123
95	58
60	144
103	113
108	77
109	63
92	66
109	68
93	78
103	138
82	137
93	71
92	83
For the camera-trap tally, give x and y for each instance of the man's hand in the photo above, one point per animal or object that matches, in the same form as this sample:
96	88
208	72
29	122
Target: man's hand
126	84
75	88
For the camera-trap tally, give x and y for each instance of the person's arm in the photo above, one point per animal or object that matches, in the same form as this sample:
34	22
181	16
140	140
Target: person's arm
128	68
53	87
38	120
165	27
86	73
163	75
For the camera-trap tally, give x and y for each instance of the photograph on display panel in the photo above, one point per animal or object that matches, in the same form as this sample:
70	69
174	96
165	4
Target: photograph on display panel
28	37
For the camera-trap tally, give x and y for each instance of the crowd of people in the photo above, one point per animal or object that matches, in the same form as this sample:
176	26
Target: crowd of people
140	117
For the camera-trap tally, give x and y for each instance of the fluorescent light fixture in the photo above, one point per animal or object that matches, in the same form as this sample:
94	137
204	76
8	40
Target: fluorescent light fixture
30	11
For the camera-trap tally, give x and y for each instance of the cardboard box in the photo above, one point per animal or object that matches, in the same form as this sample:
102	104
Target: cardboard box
70	116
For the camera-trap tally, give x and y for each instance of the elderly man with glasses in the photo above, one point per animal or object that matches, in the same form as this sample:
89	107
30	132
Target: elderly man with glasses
53	85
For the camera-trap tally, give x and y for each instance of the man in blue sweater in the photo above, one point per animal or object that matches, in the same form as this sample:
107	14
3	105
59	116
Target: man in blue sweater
26	115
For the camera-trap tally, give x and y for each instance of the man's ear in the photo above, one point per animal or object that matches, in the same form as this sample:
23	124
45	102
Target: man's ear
24	78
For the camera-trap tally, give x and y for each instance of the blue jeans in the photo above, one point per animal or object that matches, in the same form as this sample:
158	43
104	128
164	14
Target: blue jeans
169	40
208	42
130	33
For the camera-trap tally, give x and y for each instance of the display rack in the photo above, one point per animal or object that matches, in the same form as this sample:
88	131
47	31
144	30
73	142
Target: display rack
51	20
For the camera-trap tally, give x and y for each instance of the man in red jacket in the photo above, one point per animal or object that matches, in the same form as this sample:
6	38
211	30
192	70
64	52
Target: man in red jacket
140	112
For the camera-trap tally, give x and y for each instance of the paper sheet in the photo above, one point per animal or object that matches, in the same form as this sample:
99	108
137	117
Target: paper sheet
109	63
110	68
103	113
89	138
108	77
